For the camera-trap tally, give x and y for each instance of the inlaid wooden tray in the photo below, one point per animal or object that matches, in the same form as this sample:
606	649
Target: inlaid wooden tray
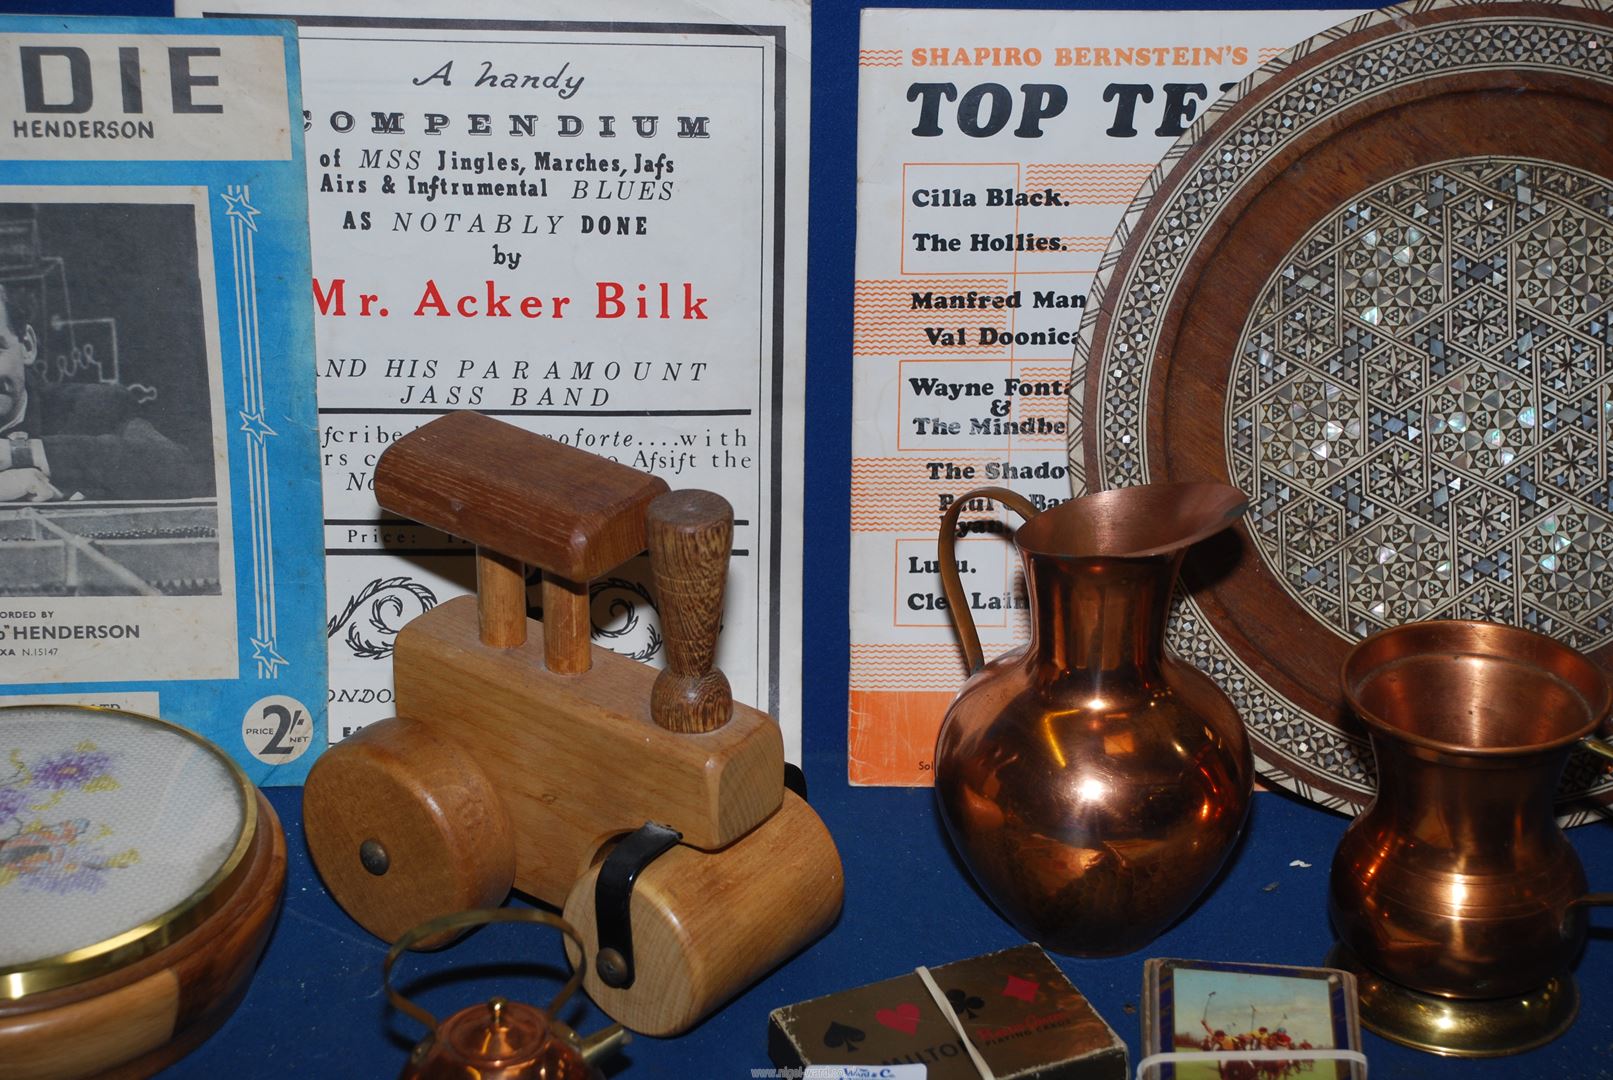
1373	287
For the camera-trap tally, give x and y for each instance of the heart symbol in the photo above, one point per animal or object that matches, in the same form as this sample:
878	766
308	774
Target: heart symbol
1023	989
903	1018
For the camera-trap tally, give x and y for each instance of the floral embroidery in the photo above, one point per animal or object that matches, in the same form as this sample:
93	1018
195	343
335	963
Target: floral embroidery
12	802
78	768
71	855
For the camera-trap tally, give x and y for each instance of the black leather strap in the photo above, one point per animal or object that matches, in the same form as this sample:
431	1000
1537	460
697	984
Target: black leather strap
613	899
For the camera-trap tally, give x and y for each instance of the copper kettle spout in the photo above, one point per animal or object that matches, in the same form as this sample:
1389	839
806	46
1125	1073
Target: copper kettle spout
604	1042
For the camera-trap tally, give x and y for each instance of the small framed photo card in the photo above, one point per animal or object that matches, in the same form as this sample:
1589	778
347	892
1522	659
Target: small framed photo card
1210	1008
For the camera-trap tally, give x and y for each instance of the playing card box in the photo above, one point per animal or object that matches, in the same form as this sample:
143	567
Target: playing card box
1015	1006
1199	1007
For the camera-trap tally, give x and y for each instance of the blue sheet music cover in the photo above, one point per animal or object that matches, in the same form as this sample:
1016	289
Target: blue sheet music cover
161	544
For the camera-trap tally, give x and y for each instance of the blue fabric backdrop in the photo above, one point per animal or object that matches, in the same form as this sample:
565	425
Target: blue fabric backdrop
316	1009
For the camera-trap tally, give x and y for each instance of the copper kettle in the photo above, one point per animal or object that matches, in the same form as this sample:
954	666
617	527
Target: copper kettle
499	1039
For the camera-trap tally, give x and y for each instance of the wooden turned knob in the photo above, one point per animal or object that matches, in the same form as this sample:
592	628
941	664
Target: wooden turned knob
690	535
403	826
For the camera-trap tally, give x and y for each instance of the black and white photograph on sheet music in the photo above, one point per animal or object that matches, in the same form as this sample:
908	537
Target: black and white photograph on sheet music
107	474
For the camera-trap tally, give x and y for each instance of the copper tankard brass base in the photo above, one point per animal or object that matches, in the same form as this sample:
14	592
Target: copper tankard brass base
1455	886
1450	1027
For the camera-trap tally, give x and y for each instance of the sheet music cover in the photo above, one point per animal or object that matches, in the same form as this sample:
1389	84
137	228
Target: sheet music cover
997	151
159	474
586	219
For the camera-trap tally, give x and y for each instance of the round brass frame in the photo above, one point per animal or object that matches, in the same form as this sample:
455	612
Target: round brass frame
1494	1027
124	948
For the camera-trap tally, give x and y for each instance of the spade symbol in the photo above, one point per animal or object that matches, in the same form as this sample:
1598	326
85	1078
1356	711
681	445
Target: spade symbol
843	1035
964	1004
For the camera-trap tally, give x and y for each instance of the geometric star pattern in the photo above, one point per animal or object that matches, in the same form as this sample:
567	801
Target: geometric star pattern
1557	271
1422	397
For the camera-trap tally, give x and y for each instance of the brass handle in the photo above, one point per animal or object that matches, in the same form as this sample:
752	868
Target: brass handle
461	920
1593	899
1596	745
962	621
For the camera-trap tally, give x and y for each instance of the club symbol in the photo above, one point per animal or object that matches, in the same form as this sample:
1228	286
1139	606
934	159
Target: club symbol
965	1004
843	1035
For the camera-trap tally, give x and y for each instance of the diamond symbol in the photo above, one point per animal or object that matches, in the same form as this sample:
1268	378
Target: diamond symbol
1023	989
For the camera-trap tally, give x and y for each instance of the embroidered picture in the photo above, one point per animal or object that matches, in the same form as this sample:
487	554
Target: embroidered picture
41	851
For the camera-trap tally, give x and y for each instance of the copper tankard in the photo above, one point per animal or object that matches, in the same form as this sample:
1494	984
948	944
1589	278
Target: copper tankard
1456	881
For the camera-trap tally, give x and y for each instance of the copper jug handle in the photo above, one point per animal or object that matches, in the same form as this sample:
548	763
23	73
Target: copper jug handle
957	604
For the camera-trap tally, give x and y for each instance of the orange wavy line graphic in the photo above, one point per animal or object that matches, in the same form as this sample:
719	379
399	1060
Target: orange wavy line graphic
885	321
914	662
1086	245
1049	406
1112	184
880	58
898	495
1044	406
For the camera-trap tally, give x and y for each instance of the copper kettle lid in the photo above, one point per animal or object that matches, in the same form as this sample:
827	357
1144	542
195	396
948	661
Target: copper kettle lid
498	1039
496	1035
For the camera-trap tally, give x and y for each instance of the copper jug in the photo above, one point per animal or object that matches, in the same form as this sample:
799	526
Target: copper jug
500	1039
1456	880
1092	782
